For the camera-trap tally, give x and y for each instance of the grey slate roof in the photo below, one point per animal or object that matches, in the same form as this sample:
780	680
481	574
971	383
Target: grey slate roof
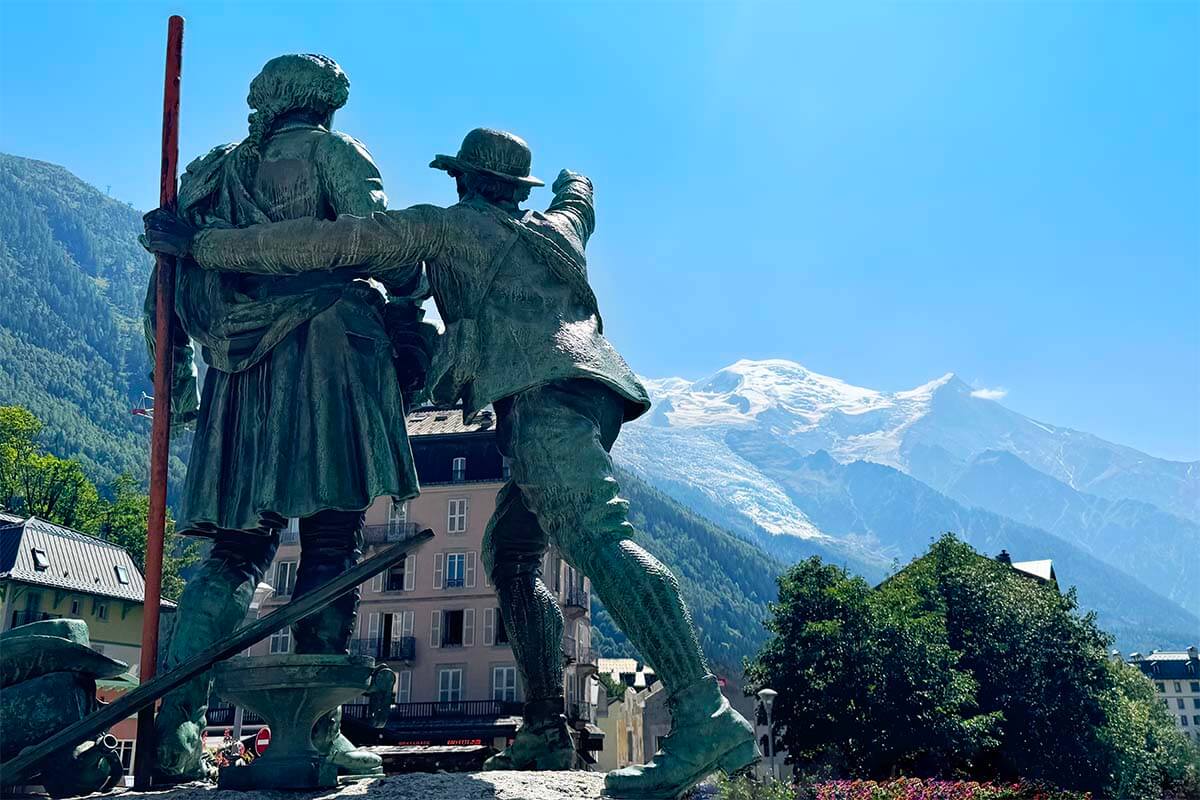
1169	664
443	420
77	562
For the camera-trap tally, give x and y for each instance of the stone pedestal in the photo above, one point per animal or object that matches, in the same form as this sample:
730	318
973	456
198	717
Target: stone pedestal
289	692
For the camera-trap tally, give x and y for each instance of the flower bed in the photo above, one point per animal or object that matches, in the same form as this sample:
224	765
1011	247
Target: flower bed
918	789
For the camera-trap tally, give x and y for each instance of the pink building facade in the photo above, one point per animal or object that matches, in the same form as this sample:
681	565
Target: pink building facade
434	619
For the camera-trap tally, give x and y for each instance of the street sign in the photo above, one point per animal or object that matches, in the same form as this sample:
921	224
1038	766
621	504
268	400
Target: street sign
262	740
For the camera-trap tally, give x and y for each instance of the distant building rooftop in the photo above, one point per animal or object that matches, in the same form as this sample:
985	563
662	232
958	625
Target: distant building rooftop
41	553
447	420
1169	664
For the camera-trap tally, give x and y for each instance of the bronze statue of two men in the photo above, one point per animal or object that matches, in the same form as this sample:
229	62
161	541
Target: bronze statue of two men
310	371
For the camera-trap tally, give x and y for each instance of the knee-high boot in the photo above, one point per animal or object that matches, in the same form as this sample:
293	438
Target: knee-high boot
331	543
214	603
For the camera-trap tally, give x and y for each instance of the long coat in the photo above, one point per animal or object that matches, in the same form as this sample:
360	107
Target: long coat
511	288
301	409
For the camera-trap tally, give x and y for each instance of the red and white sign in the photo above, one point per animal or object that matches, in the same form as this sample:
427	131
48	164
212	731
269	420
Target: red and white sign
262	740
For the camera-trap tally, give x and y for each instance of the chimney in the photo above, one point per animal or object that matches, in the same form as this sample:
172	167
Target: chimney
1004	557
1191	651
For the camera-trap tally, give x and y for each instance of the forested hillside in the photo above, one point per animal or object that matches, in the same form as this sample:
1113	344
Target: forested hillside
71	346
726	582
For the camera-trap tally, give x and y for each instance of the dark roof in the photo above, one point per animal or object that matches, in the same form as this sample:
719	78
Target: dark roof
447	420
75	561
1169	664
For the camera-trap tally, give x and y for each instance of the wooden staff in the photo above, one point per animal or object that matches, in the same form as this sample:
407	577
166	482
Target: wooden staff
160	431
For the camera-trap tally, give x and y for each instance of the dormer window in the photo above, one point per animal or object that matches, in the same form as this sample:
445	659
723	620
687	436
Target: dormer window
458	469
122	575
41	561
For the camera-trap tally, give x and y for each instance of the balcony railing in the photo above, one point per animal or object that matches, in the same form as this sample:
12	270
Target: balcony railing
454	583
387	534
403	648
585	712
576	598
27	616
221	716
460	709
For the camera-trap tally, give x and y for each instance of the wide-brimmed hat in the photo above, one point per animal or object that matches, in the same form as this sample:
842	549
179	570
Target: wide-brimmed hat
498	154
56	645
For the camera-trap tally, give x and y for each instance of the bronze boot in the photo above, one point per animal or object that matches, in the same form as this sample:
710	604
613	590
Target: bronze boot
543	742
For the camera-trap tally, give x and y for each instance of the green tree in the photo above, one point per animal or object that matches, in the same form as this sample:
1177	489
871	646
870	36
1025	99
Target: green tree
960	665
34	482
125	524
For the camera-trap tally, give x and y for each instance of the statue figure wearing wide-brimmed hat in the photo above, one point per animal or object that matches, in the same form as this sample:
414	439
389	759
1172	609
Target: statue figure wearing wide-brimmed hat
303	410
523	333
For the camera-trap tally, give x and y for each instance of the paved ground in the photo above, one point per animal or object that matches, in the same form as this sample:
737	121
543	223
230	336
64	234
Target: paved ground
418	786
423	786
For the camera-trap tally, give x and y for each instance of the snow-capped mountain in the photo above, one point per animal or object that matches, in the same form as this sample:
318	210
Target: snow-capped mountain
769	449
931	432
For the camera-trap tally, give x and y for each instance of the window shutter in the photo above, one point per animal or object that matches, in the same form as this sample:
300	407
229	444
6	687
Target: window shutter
468	627
439	566
435	629
470	577
403	685
407	623
373	626
410	573
466	507
377	583
489	625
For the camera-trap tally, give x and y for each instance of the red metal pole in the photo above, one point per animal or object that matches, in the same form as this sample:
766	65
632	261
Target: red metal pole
160	432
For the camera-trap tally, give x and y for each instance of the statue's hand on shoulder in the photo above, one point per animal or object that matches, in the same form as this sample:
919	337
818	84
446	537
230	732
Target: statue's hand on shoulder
167	234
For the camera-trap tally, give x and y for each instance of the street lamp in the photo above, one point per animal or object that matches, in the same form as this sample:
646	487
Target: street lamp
767	697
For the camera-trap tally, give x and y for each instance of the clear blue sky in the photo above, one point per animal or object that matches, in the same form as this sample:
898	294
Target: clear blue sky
883	192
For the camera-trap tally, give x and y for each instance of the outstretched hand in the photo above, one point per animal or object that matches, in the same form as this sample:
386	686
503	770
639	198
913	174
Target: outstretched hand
167	234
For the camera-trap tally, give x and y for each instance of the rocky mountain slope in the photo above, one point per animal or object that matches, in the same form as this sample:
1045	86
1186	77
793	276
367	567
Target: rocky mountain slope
797	462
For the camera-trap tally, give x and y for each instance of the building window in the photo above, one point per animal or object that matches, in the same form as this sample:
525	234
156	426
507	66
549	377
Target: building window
397	514
501	631
450	684
1196	718
75	608
1196	702
395	578
404	686
1178	687
285	578
456	570
281	641
41	561
1195	686
504	683
452	628
458	470
1161	687
125	751
122	574
456	516
1179	703
100	610
1183	720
